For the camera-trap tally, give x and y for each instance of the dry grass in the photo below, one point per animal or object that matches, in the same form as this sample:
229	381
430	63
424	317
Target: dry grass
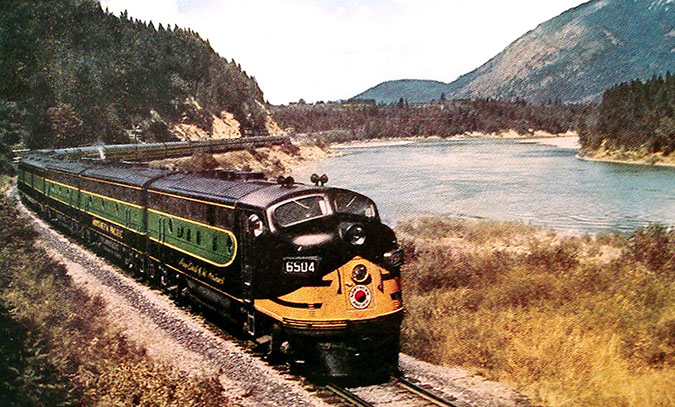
566	325
73	354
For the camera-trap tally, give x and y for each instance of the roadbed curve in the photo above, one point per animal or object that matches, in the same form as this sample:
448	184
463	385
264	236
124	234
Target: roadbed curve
170	334
187	342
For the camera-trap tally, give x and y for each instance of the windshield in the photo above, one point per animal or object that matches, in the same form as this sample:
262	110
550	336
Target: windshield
354	204
299	210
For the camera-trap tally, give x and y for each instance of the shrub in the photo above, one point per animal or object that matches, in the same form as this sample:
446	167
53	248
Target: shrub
654	246
6	164
564	327
553	257
58	345
439	268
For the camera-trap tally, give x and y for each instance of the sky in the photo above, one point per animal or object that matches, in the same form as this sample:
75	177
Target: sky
322	50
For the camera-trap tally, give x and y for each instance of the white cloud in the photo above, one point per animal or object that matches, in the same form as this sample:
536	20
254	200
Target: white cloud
331	49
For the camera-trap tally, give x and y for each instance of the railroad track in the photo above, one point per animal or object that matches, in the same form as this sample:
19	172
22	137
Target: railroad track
399	391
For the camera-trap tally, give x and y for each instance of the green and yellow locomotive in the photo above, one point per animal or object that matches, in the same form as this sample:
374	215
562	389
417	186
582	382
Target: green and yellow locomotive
308	270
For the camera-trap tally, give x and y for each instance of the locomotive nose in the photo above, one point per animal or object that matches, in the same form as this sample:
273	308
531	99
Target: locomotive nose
353	233
314	240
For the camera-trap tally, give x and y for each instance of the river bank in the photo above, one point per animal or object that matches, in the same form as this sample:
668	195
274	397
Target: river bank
543	312
568	139
628	157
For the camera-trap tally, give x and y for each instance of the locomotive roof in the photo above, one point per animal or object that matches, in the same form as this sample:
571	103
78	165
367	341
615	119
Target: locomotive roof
136	176
73	167
256	193
274	192
197	185
242	188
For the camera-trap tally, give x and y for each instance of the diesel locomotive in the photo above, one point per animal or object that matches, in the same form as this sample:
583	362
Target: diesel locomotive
305	269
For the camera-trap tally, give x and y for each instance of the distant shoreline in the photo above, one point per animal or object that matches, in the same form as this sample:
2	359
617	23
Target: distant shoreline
564	140
631	162
569	140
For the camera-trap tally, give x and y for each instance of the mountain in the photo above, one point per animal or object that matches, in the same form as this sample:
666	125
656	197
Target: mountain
72	74
412	90
572	57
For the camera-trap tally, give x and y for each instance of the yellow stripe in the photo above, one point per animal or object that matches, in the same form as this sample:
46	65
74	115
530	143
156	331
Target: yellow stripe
95	194
93	214
98	232
113	222
192	221
111	182
229	233
267	312
59	183
57	199
232	236
197	256
111	199
191	199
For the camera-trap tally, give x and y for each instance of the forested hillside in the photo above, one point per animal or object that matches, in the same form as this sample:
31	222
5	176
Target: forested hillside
444	119
635	116
72	74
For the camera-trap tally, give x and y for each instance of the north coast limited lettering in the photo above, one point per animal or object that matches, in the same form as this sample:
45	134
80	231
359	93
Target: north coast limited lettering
200	271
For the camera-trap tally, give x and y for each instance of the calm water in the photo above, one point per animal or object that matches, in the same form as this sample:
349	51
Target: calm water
505	180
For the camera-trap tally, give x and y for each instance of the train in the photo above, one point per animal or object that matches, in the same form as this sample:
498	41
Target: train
308	271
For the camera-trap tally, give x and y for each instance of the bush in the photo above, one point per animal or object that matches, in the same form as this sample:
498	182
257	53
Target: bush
438	268
552	258
564	327
27	376
654	246
58	345
6	163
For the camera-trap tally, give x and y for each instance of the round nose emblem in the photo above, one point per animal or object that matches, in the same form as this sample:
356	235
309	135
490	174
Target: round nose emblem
359	296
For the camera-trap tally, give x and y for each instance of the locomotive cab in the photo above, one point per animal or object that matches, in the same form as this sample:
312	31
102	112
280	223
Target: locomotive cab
311	267
330	274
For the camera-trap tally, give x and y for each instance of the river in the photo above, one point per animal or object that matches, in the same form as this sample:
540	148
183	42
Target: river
503	180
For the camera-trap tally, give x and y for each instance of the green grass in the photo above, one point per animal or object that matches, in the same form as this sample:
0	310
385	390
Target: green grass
576	321
63	349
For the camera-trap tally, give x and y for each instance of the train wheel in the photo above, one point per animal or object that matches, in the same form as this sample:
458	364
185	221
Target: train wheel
131	261
182	291
141	268
165	278
276	345
151	272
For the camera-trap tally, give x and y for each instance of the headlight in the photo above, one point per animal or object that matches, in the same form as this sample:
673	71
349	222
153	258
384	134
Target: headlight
256	225
393	258
356	235
360	273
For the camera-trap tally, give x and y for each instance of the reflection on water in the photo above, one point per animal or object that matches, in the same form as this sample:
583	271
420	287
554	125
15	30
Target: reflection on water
504	179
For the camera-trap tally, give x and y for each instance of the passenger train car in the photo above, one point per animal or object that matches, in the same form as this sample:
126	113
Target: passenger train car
308	270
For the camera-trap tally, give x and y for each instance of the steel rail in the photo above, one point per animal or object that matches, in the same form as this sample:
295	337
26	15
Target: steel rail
347	396
425	394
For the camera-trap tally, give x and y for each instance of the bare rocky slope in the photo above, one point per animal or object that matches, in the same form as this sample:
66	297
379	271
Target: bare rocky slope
572	57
